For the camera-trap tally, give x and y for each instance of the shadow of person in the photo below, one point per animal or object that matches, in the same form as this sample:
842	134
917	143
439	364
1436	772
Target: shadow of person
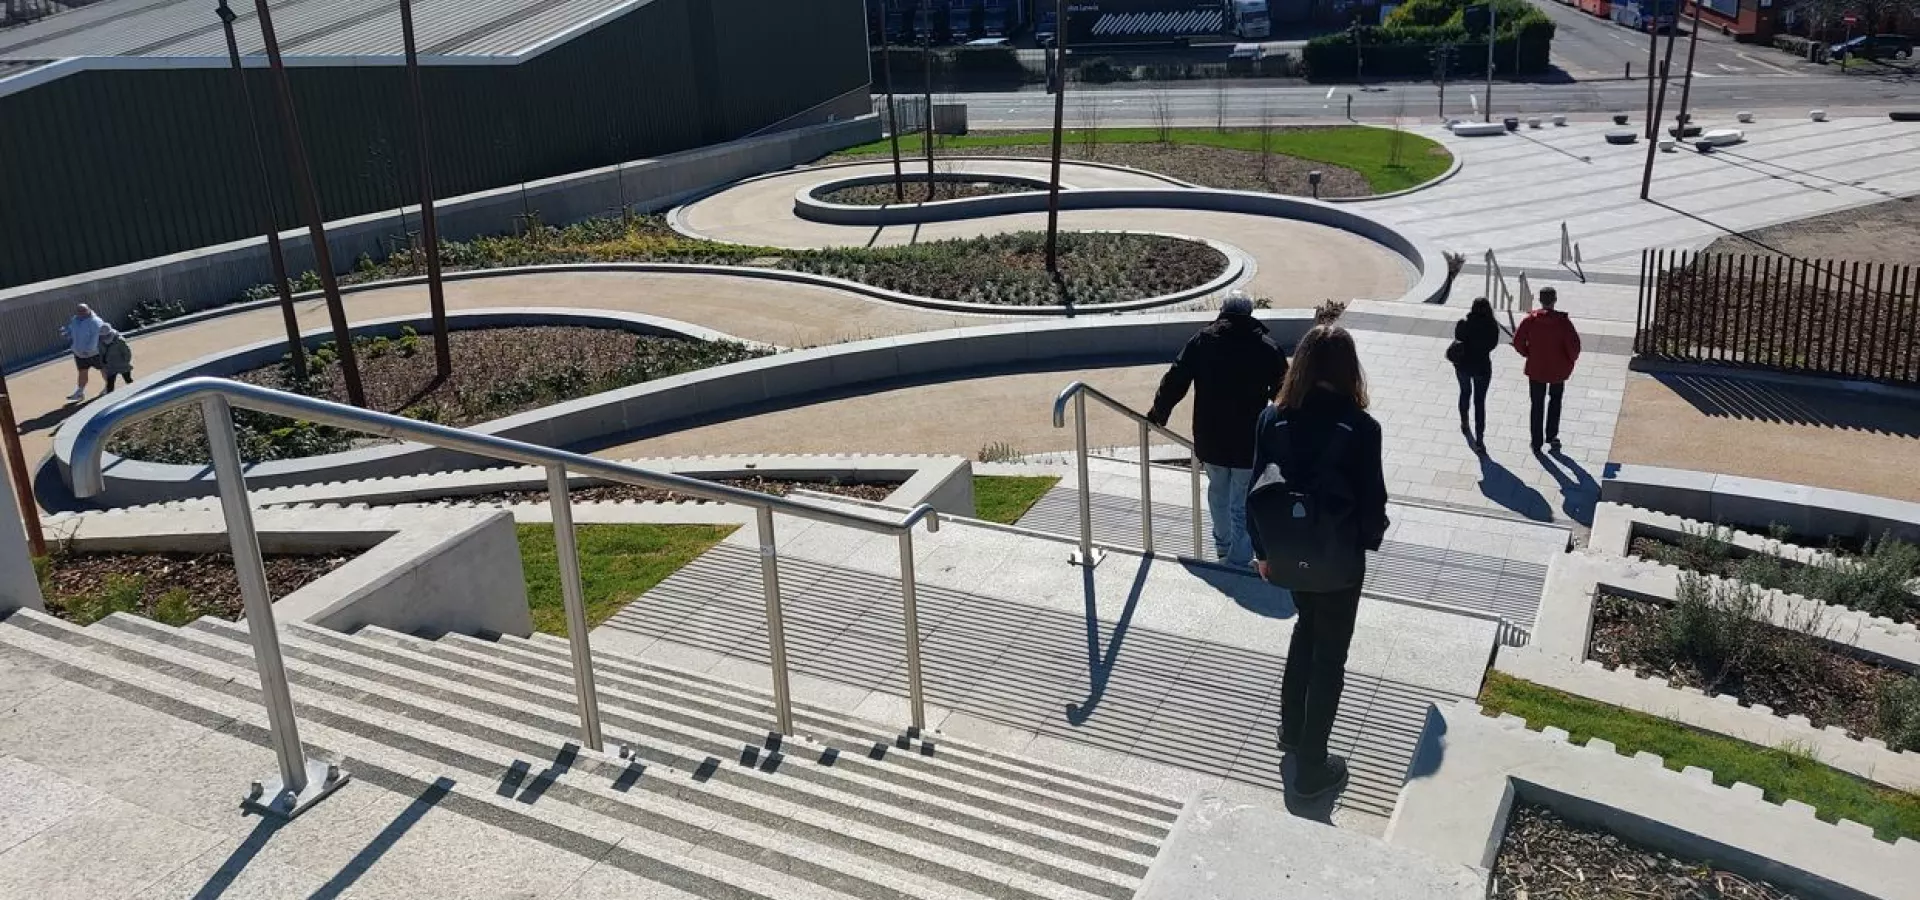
1245	589
51	418
1579	493
1499	484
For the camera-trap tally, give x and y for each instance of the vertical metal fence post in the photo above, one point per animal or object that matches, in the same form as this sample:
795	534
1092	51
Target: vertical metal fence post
776	626
1086	480
566	546
910	611
1146	493
301	782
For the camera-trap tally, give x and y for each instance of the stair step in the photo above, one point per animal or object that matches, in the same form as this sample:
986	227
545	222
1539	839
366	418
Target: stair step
658	722
1052	779
146	677
934	775
696	785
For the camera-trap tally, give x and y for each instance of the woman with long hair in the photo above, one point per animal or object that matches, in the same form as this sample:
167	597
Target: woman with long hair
1326	454
1475	337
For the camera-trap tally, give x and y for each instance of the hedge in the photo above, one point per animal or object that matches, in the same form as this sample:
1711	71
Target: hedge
1403	47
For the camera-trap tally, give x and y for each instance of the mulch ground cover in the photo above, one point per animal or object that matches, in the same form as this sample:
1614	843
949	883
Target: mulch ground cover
882	194
622	493
1794	673
1545	857
174	588
497	372
1011	269
1214	167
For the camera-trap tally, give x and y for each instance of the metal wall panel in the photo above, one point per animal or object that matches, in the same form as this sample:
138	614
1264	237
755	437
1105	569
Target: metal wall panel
105	168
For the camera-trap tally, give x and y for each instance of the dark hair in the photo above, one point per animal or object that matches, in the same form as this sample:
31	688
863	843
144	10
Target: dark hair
1482	309
1325	356
1548	297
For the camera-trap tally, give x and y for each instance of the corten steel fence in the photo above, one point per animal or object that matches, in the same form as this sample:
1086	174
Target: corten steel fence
1815	317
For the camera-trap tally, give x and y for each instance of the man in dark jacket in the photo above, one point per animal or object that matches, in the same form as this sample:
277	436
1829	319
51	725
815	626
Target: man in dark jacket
1235	370
1547	338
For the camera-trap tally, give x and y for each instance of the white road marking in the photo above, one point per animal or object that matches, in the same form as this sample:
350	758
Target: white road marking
1329	93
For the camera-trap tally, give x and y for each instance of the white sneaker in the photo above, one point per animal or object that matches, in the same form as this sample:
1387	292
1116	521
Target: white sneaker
77	395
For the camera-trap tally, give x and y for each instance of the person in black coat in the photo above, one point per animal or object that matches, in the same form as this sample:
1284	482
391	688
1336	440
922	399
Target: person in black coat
1475	337
1235	369
1323	399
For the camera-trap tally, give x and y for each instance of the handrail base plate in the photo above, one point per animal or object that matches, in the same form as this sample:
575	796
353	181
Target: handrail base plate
276	801
1079	559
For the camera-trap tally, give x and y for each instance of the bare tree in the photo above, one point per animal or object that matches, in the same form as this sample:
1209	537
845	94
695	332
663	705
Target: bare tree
1163	116
1220	102
1090	126
1266	143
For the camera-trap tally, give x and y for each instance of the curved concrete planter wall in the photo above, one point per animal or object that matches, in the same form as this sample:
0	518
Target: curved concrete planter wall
1427	261
717	394
813	192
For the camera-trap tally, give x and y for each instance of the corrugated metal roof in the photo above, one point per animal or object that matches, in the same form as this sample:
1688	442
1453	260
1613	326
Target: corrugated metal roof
189	28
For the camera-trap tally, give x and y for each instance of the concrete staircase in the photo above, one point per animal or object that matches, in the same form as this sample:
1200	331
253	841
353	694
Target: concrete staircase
693	796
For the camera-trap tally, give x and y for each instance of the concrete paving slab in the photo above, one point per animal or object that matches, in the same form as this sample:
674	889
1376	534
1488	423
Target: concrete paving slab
109	848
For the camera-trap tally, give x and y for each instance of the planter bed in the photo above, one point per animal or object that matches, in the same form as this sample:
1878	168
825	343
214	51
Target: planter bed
1876	578
1712	646
497	372
916	191
1546	856
173	588
631	493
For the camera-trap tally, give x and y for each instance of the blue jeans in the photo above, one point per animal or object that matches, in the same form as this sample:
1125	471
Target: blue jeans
1227	503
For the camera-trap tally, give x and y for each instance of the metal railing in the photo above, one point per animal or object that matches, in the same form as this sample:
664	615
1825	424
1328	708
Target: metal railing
1077	394
303	782
1497	291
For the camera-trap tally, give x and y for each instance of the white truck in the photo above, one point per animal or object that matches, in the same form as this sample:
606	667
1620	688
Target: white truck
1250	18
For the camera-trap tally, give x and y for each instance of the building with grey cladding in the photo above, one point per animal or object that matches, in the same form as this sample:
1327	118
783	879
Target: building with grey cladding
122	136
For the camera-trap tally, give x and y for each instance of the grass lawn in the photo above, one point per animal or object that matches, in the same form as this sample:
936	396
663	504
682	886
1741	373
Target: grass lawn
1368	151
1781	773
617	564
1005	498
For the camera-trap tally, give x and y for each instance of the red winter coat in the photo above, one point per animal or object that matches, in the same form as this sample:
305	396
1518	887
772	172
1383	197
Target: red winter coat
1548	340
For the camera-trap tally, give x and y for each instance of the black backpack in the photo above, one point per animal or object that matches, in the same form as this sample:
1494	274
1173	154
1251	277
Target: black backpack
1308	529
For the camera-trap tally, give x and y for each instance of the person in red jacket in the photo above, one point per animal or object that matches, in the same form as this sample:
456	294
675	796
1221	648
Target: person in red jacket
1546	337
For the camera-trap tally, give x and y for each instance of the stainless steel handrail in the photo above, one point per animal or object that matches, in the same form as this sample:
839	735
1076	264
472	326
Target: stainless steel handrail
1077	393
296	790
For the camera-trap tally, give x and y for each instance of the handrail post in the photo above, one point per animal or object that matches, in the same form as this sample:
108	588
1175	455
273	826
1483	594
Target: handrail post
1086	556
573	593
776	627
301	782
1146	493
1193	466
910	611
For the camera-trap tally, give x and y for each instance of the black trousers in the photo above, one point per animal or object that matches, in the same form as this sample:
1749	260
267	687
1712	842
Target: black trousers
1473	393
1538	391
1316	670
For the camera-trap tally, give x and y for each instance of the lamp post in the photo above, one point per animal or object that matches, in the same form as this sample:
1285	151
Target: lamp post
275	253
307	194
429	222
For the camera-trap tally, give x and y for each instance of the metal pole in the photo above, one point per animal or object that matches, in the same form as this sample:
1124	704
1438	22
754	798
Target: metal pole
1653	62
926	59
1492	29
1686	85
1059	123
573	592
1193	466
1146	493
1659	106
893	114
301	783
17	468
275	253
429	221
910	610
309	199
776	627
1086	486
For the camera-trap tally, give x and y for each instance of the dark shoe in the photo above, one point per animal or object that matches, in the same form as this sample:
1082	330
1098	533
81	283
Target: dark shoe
1313	782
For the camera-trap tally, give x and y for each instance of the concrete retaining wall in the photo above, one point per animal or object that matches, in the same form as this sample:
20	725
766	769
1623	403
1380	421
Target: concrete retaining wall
19	587
718	394
216	275
1759	504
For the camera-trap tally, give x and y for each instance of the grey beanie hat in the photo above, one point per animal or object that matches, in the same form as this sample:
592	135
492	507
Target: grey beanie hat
1237	304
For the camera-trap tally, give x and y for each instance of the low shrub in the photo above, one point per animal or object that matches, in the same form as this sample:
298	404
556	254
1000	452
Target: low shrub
1900	714
1102	70
1879	580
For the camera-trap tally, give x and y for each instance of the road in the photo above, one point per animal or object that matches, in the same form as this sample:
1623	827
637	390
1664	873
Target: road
1587	48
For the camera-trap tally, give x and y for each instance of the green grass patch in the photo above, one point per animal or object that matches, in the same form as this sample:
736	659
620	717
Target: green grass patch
1005	498
1368	151
1783	773
617	564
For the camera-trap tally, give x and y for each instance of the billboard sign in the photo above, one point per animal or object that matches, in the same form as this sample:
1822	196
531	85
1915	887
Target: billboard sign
1117	21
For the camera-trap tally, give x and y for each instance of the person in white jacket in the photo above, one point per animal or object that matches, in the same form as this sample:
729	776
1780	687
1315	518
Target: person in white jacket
86	334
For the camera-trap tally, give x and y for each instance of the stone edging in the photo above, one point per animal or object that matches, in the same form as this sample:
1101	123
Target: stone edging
716	394
1557	658
1760	504
1469	770
1614	526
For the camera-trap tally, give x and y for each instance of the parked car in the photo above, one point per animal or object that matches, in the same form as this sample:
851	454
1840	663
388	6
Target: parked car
1874	46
